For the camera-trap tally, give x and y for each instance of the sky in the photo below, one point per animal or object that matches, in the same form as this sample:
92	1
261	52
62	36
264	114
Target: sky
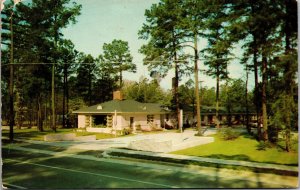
102	21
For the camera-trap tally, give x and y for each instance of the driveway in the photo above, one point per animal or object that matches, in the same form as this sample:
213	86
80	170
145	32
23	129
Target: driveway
178	140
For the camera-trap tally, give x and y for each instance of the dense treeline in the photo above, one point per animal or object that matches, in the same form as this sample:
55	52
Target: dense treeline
50	78
267	31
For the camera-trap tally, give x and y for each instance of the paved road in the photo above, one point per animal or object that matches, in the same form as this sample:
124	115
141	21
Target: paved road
35	168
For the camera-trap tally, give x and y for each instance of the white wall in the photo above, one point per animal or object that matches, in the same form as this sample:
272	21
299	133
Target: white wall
81	121
140	119
120	123
123	120
99	130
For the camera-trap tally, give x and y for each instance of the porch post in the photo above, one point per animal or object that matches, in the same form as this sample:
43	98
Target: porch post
91	120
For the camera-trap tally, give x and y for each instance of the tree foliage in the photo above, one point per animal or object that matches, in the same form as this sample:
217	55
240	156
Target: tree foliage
147	91
117	58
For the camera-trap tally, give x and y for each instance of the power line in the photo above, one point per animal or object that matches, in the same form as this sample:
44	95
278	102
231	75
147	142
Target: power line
76	63
120	62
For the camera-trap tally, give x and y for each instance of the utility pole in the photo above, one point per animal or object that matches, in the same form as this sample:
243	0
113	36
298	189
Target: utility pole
53	98
11	77
53	77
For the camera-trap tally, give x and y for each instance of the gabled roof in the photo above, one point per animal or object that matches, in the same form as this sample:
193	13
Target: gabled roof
122	106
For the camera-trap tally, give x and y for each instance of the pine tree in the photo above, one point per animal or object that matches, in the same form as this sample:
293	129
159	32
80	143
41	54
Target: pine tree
33	36
116	56
86	77
219	45
166	39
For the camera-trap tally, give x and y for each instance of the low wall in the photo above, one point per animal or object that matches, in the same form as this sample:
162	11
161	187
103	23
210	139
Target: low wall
60	137
68	137
151	145
145	128
99	130
86	138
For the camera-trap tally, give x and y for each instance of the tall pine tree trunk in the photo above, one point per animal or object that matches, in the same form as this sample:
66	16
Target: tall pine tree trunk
53	77
198	108
255	64
176	96
176	92
90	85
217	99
64	97
17	102
67	97
30	117
288	76
247	106
229	116
53	100
11	88
289	104
264	98
40	119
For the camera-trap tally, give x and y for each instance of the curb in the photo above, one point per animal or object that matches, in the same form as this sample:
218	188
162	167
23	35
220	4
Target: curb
202	161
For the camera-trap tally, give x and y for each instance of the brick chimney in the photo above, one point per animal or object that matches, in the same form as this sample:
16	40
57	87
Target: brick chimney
117	95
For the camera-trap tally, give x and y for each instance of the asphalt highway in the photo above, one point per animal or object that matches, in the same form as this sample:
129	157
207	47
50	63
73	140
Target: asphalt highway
28	168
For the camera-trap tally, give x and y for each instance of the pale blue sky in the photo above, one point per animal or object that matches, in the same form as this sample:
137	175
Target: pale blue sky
101	21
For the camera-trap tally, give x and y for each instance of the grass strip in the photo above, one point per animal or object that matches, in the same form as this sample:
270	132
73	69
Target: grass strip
244	148
206	164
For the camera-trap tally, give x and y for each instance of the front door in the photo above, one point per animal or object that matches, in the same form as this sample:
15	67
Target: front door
131	122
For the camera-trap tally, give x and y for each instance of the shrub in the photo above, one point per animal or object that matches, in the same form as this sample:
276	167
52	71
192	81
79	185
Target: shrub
294	144
273	134
127	131
263	145
228	134
137	126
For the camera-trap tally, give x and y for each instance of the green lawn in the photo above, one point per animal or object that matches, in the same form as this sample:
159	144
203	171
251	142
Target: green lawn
242	148
34	134
98	135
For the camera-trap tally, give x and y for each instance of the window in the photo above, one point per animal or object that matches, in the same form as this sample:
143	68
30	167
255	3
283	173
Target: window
150	118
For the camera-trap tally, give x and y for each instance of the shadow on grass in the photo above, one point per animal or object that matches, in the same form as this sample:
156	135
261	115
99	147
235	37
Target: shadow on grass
33	134
279	145
240	157
248	136
46	147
